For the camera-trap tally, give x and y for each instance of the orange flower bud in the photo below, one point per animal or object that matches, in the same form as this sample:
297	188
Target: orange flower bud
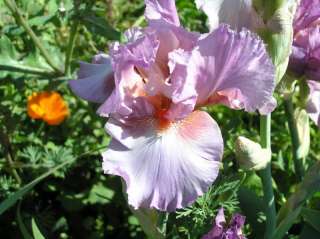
48	106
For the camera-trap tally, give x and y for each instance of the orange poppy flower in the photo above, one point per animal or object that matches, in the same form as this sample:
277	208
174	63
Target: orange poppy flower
48	106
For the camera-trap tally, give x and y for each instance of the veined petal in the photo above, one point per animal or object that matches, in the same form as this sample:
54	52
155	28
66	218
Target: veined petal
298	60
162	10
307	12
305	57
268	107
218	229
313	106
235	227
95	80
172	37
166	169
133	34
236	13
179	90
233	69
129	84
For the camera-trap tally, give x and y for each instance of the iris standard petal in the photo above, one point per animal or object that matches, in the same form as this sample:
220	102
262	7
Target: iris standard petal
179	90
171	37
166	169
164	10
232	68
127	59
95	80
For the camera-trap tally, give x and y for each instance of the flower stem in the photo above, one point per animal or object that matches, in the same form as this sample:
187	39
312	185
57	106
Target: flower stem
72	40
266	177
26	69
297	160
162	222
4	140
152	222
20	20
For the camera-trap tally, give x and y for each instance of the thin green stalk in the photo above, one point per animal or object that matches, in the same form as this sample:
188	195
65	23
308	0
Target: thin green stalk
266	177
42	125
162	222
297	160
26	69
69	53
152	222
4	140
20	20
12	169
271	6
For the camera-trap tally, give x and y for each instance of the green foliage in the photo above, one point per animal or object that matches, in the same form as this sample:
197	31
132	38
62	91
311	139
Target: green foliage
192	222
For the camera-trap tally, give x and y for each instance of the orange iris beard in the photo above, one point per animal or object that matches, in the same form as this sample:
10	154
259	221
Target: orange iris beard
162	105
48	106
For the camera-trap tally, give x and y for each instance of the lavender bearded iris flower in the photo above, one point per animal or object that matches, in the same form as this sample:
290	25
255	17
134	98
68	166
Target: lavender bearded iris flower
166	149
305	57
220	231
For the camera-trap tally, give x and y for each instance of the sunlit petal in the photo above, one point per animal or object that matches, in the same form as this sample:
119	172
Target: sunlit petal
166	169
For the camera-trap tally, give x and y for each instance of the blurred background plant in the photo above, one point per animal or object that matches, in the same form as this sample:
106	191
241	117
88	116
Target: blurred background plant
51	181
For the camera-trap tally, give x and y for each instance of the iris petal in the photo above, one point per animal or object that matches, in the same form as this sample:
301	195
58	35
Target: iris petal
313	106
166	169
95	80
232	68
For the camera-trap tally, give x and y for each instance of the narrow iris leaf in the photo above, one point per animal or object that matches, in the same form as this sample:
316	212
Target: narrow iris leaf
10	201
35	230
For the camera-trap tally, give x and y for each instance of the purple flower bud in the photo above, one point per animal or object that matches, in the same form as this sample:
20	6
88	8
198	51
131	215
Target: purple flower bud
221	230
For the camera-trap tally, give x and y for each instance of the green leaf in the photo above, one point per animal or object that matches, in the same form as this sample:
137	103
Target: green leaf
10	60
98	25
7	51
308	232
292	208
312	217
252	207
35	230
286	223
21	225
11	200
99	193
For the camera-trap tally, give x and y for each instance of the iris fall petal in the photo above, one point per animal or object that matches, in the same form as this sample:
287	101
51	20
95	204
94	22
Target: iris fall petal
166	169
